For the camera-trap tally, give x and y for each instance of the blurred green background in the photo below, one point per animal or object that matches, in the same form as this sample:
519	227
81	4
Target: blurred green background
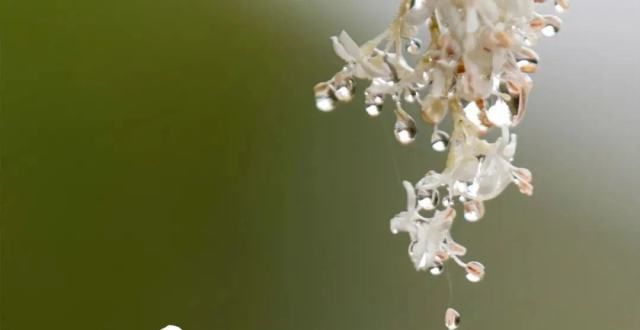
162	162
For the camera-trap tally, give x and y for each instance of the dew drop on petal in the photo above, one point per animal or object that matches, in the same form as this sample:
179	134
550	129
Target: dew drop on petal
405	128
475	271
452	319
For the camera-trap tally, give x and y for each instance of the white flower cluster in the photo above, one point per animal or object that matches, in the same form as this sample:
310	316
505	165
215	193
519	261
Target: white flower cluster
474	66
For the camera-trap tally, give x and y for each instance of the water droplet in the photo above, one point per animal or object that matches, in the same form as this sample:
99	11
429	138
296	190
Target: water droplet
325	99
325	103
373	109
452	319
473	210
439	141
414	46
410	95
551	26
344	93
527	60
405	128
475	271
437	269
428	199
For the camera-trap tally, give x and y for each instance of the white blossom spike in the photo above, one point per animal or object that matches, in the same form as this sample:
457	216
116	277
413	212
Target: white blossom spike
473	67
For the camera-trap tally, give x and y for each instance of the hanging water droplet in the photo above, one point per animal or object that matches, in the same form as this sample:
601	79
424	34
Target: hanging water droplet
475	271
413	46
527	60
437	269
473	210
452	319
344	91
325	100
439	140
428	199
405	128
552	26
373	109
410	95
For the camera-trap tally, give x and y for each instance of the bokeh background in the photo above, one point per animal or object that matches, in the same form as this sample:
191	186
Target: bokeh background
162	162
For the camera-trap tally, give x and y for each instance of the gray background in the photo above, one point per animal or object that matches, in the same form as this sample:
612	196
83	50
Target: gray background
162	162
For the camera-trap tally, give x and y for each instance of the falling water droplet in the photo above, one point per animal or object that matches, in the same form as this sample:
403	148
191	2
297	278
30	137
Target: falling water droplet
439	141
405	128
428	199
551	26
475	271
414	46
325	99
473	210
452	319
